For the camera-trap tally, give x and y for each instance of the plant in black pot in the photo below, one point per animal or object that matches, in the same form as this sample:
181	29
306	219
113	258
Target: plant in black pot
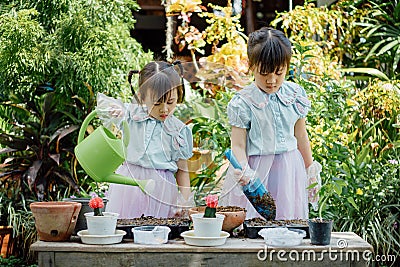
321	227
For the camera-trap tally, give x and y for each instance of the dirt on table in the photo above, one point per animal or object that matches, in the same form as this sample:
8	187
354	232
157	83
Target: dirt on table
150	220
230	209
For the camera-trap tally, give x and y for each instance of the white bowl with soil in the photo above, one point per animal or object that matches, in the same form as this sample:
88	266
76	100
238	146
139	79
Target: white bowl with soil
177	225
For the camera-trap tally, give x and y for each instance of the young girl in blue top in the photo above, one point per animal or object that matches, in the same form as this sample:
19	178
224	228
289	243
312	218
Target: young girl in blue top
269	136
159	146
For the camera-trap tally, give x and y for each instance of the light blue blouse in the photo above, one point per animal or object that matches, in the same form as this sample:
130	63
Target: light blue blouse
155	144
269	118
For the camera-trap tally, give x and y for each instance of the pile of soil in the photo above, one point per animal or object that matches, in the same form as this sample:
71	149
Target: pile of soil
230	209
262	222
264	204
150	220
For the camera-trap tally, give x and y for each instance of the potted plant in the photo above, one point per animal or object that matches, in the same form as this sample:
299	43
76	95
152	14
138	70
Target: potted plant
209	223
320	228
99	222
83	196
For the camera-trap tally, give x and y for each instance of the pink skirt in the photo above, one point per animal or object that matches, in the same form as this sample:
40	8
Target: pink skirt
284	176
131	202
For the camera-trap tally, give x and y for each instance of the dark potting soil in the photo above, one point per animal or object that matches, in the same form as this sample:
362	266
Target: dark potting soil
264	204
229	209
262	222
177	225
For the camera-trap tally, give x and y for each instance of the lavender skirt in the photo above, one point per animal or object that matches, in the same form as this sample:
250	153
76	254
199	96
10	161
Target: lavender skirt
283	175
131	202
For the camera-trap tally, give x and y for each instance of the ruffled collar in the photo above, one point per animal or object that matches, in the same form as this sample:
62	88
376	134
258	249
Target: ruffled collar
171	125
139	113
287	94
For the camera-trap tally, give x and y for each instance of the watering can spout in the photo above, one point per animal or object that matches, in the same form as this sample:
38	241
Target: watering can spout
146	186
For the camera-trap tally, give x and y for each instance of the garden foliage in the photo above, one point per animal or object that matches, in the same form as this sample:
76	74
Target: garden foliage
55	55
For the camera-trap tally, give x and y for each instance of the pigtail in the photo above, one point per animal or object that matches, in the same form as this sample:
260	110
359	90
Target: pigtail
179	64
130	74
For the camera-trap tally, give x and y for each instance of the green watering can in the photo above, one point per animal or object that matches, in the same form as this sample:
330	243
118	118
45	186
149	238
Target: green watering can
101	153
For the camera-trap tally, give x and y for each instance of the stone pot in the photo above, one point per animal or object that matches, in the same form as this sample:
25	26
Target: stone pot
101	225
207	227
232	219
55	220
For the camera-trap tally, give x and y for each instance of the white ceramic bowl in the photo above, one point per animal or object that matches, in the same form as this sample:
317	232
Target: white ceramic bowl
150	234
200	241
282	236
101	239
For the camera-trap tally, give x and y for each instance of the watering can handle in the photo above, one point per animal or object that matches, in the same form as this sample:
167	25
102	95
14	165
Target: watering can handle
90	117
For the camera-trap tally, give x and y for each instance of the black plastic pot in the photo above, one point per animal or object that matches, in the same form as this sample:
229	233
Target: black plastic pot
320	231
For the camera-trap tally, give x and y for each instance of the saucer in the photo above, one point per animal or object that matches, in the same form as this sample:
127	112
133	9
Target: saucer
201	241
101	239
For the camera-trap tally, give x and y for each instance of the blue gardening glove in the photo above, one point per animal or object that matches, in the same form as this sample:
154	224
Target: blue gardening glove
314	183
245	175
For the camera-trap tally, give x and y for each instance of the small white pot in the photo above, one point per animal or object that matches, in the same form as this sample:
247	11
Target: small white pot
207	227
101	225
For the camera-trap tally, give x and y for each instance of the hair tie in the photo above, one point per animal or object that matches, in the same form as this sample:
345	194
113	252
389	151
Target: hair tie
179	64
130	74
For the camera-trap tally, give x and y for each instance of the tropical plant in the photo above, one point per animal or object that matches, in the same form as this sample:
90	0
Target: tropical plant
381	29
360	34
39	148
227	61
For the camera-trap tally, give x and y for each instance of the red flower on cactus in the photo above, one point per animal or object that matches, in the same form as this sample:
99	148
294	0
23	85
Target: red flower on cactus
211	209
96	203
212	201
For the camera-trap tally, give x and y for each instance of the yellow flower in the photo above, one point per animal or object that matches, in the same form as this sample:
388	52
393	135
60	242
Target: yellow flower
359	192
351	102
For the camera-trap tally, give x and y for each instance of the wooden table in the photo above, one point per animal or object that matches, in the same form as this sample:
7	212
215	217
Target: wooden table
345	249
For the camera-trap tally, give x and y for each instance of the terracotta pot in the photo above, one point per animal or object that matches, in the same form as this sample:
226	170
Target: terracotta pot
232	219
6	241
55	220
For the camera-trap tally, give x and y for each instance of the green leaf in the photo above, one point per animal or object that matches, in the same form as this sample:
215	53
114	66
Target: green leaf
352	202
370	71
387	47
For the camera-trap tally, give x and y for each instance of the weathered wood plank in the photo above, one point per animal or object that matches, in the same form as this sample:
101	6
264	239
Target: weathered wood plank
236	251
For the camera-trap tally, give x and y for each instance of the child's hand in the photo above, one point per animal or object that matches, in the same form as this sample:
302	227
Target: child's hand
244	176
116	111
183	205
314	180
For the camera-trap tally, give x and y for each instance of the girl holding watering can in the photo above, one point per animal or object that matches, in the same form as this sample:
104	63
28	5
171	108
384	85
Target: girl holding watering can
159	144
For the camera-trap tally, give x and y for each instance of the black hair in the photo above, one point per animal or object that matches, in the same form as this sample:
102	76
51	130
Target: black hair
268	49
158	78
